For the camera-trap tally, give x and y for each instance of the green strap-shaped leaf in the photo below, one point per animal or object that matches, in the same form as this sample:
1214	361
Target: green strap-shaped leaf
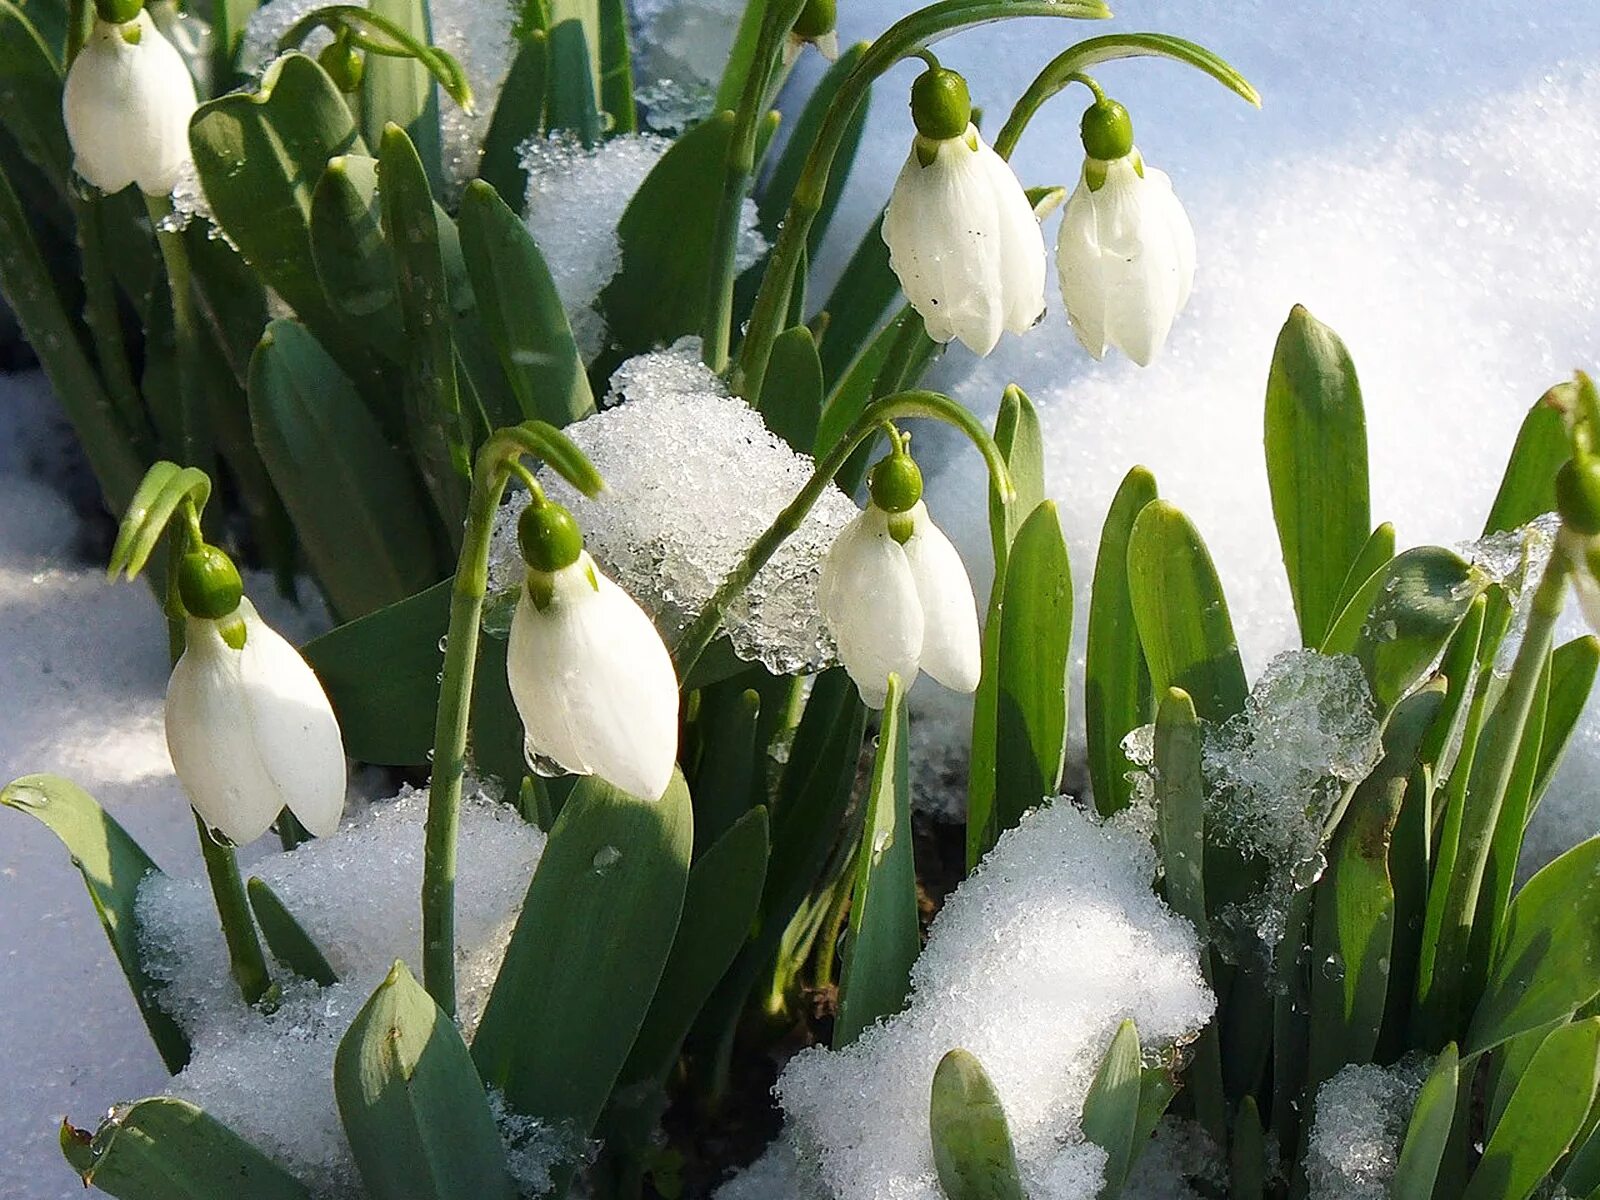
972	1150
401	91
1572	673
286	937
587	952
436	432
1021	443
518	114
1354	905
413	1107
720	905
1378	550
791	394
856	307
1459	668
1180	612
30	97
1507	1066
1428	1131
349	492
571	100
167	1149
779	187
884	938
1528	488
1111	1109
1035	642
1400	619
1548	962
728	777
580	16
1316	441
112	865
352	258
1543	1116
1116	682
1247	1155
521	310
616	67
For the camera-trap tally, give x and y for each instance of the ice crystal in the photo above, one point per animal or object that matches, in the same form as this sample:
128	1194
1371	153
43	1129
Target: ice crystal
1361	1116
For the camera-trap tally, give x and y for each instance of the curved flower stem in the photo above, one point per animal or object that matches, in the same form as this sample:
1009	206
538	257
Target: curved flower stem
905	37
901	405
361	24
716	329
1068	68
496	462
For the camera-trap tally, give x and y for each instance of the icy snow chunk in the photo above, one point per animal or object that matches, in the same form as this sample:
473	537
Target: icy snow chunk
1275	770
1031	965
693	477
776	1175
685	43
1179	1154
269	1076
1361	1117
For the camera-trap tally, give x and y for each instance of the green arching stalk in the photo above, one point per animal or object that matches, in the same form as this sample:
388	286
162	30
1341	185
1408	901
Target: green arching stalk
1486	789
902	39
80	20
494	467
1069	67
185	324
716	330
694	639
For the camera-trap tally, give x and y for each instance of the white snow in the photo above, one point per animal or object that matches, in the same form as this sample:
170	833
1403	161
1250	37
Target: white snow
1031	965
1360	1122
693	477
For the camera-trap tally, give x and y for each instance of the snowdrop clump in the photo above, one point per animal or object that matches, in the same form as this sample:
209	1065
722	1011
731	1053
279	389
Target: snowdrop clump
269	1074
693	477
1031	965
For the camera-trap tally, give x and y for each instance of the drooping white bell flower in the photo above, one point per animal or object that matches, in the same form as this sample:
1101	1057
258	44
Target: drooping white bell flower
249	727
590	677
127	103
1126	253
962	237
896	595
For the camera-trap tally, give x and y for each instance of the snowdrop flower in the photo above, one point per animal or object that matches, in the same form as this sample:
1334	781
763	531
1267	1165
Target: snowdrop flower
895	593
962	236
593	683
1126	248
249	728
127	103
814	27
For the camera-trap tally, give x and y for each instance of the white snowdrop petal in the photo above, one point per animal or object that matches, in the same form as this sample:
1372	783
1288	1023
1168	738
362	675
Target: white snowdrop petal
942	228
210	741
127	108
869	600
1078	266
951	651
292	725
536	688
1180	229
1022	257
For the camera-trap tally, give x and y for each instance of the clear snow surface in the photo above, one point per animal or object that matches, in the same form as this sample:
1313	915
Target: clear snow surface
1422	177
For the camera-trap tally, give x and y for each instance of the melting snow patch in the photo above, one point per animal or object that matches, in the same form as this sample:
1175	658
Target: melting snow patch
1031	965
1355	1138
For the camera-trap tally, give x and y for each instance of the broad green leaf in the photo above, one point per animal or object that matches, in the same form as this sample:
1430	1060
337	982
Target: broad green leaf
1116	682
726	781
1378	550
1547	965
164	1148
1031	670
1508	1064
1354	905
401	91
413	1107
435	429
1400	619
972	1150
518	114
1543	1116
1528	488
1179	610
779	187
1316	440
791	393
1428	1130
884	937
521	310
856	308
1247	1156
1572	673
616	68
353	260
112	865
286	937
720	906
580	16
572	103
1111	1108
587	952
30	96
1017	434
350	494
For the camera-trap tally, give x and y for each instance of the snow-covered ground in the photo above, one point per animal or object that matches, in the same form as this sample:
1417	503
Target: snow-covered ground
1422	177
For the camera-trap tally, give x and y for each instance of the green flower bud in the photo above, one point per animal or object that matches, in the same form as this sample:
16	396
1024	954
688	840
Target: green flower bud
1107	130
118	12
549	536
1578	495
940	104
208	584
344	63
896	483
817	18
